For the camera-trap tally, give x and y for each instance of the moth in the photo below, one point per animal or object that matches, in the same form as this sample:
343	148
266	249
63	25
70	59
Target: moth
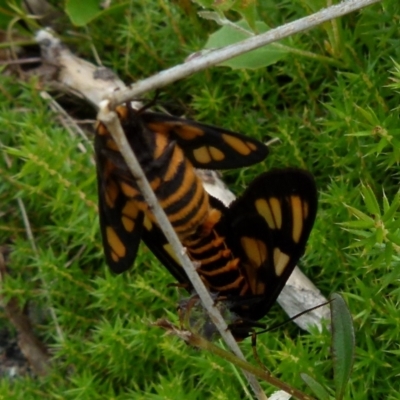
169	149
245	252
266	231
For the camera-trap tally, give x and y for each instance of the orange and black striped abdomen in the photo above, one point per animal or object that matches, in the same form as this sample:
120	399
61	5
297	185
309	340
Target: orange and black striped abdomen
168	148
181	194
246	251
172	177
218	268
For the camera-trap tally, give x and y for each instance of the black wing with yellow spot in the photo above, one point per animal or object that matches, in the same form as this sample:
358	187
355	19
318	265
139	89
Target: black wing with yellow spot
158	244
206	146
158	141
268	228
266	231
120	219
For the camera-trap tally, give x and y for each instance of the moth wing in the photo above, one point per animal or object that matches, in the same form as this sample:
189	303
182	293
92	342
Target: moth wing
207	146
120	219
271	223
158	244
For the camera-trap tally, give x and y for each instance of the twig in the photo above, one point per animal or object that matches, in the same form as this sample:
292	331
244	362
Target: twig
197	341
110	119
217	56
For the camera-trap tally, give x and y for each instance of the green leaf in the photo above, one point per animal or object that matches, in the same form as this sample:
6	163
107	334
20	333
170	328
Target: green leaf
360	133
343	343
356	224
390	212
255	59
370	200
386	204
388	253
316	387
394	238
393	225
362	216
82	12
379	235
369	115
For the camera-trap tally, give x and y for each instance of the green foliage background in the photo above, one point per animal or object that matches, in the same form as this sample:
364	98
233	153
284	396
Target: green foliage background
332	102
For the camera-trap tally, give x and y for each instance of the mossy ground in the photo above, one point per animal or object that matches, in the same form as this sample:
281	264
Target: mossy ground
336	116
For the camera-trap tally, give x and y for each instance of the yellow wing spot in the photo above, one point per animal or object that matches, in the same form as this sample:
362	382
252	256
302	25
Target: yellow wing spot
259	287
252	146
159	127
101	129
202	155
115	242
114	257
143	206
128	223
122	112
264	210
147	223
305	210
188	132
251	275
168	248
111	194
130	209
280	261
276	211
255	249
216	154
236	144
112	145
297	215
128	190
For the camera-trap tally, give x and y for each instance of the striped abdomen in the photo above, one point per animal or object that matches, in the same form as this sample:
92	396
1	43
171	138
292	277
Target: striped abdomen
181	194
171	176
218	269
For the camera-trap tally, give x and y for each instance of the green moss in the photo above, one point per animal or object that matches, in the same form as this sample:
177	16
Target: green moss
335	116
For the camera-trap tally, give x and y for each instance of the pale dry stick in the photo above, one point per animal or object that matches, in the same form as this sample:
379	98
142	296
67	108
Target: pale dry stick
217	56
110	119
